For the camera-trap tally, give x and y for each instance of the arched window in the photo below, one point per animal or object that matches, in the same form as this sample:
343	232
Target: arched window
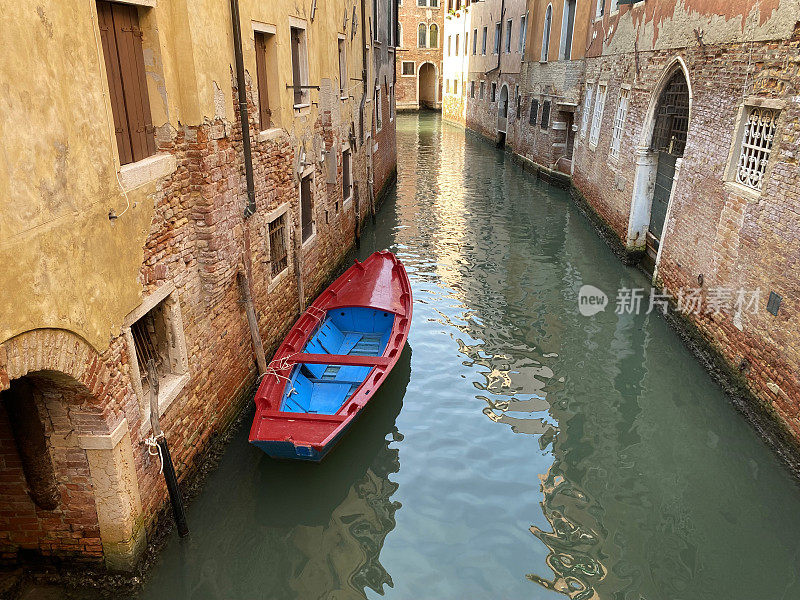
548	19
433	38
422	35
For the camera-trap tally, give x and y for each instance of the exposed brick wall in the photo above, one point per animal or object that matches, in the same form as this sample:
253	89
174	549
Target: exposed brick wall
410	16
385	159
197	241
734	239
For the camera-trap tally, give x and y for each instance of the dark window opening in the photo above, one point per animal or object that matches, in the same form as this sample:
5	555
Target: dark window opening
306	208
277	245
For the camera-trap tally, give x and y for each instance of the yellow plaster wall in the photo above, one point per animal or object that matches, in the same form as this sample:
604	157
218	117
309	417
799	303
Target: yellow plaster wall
65	263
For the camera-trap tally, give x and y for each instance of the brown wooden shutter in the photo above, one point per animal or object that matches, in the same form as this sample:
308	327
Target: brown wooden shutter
127	80
261	80
109	41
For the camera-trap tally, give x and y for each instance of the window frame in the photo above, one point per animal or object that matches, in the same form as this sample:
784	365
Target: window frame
304	95
597	115
746	108
413	64
620	116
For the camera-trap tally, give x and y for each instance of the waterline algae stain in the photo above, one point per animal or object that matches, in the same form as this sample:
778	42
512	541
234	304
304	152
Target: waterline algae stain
520	449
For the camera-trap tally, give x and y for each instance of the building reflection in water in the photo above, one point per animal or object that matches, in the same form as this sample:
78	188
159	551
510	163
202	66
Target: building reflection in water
340	558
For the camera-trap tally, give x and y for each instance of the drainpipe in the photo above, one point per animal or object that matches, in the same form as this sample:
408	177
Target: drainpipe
243	118
245	278
500	47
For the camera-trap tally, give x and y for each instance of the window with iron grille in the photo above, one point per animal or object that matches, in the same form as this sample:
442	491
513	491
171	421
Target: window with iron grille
494	92
483	89
755	147
587	105
127	81
619	121
471	89
534	111
277	245
545	114
157	335
672	117
597	115
408	67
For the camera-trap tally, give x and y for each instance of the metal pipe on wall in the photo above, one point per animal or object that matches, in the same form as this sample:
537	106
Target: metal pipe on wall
250	208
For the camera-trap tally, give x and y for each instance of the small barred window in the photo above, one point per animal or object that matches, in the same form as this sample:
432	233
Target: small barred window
756	146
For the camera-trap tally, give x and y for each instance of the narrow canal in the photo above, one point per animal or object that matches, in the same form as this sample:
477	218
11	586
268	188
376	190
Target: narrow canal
520	449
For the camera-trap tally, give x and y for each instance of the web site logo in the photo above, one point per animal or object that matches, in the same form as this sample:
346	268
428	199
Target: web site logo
591	300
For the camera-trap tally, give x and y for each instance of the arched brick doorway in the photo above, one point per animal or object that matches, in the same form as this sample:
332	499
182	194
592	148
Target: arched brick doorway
69	484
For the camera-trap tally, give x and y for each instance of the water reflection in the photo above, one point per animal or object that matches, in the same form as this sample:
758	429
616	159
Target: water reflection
295	530
545	455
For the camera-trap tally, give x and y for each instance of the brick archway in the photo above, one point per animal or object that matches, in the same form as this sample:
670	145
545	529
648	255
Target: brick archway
53	381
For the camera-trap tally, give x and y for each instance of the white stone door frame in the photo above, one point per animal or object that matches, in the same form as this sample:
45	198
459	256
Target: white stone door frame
502	122
435	82
646	165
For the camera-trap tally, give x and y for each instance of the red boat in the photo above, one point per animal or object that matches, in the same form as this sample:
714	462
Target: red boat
333	360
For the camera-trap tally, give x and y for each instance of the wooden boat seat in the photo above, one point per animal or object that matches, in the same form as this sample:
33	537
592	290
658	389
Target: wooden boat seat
316	396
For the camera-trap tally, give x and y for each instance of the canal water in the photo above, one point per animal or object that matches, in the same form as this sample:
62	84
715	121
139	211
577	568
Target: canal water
519	449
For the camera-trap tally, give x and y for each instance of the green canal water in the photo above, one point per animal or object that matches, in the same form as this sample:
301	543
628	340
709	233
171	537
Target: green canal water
519	449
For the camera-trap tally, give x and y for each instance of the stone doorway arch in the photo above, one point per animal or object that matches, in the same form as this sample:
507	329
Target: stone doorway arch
427	84
659	157
502	110
72	477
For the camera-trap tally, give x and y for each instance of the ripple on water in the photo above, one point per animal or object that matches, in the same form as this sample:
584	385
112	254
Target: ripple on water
519	450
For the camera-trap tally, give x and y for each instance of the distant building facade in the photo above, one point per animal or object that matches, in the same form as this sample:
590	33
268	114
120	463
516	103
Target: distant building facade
135	231
677	124
419	54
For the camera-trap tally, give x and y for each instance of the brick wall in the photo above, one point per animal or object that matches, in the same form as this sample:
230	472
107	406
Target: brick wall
197	242
733	238
410	16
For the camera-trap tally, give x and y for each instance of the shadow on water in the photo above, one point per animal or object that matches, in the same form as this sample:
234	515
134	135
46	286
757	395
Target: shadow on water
281	529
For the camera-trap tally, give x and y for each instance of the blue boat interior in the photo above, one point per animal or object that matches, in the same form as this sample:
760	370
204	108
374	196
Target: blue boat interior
322	389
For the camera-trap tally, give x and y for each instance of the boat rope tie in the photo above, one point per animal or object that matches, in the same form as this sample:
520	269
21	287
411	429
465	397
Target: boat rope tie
316	312
282	364
153	449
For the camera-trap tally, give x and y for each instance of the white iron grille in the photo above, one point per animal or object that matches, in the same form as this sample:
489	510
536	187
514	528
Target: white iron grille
759	133
597	116
619	122
587	104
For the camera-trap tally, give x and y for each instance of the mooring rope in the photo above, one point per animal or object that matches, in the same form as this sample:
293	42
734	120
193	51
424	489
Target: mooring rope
152	442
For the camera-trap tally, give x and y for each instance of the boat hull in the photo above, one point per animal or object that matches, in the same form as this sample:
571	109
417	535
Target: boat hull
298	415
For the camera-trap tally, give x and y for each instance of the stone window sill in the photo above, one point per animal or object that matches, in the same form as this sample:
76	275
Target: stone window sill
311	239
742	190
170	387
277	279
147	170
270	135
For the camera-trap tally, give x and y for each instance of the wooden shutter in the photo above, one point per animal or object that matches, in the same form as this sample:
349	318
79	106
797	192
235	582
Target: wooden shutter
545	114
127	80
296	79
261	79
109	41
